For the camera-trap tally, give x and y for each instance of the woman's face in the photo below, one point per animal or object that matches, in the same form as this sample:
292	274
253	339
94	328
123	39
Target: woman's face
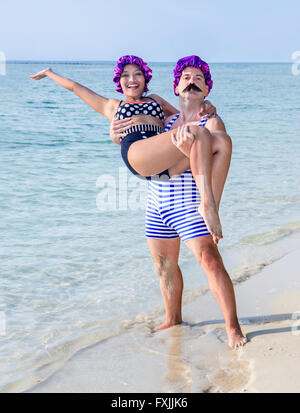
132	81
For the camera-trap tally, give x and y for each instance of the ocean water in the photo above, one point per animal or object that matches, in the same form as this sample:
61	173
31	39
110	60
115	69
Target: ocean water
75	273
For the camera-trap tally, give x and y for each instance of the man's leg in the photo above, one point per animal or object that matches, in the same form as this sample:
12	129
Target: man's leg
165	254
208	256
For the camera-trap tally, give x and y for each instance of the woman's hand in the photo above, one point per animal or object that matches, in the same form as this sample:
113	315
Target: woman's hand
183	139
41	74
118	128
208	109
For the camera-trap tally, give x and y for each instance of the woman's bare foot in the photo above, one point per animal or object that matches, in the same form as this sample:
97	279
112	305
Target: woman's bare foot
212	221
236	338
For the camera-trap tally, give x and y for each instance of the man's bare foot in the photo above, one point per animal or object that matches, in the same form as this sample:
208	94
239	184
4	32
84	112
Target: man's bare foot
168	324
212	221
236	338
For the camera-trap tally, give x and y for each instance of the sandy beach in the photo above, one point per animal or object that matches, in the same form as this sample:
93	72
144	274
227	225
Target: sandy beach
194	356
269	312
273	353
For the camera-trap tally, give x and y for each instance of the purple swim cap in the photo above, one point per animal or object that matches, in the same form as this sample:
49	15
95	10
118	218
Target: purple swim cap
193	61
131	60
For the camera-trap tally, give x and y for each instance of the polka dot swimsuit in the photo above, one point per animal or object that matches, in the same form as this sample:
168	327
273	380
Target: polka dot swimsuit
138	132
148	108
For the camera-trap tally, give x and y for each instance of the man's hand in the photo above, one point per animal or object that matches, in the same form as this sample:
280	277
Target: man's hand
208	109
118	128
183	139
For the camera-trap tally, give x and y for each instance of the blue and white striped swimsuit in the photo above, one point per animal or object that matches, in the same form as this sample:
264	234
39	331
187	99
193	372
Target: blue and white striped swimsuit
172	207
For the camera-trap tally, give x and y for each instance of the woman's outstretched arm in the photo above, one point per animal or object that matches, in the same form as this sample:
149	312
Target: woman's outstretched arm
104	106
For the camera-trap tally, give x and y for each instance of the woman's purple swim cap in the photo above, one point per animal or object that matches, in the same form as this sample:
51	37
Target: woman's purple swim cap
193	61
131	60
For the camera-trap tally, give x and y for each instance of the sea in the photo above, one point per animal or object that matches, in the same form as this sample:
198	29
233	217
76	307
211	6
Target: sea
75	268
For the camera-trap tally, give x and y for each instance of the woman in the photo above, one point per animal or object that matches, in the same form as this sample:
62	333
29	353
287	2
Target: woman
156	155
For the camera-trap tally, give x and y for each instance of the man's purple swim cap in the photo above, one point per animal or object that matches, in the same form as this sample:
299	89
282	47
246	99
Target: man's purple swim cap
131	60
193	61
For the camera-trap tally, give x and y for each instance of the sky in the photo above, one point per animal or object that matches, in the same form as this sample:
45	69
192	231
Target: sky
157	30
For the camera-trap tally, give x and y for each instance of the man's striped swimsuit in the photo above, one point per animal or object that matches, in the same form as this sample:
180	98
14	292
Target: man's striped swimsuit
172	207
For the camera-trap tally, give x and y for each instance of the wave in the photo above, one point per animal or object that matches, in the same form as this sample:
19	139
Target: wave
271	236
44	362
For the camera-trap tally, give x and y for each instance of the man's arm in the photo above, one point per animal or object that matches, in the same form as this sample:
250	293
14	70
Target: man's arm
215	124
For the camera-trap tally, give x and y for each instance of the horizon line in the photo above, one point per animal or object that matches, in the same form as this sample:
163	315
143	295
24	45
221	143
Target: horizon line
113	61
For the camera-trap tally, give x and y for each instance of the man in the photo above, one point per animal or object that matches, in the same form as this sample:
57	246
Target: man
174	205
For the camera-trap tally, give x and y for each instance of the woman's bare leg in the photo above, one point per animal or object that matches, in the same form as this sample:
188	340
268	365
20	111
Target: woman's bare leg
222	150
154	155
201	160
222	147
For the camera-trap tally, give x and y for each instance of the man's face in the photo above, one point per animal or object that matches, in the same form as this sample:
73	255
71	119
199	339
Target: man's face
192	83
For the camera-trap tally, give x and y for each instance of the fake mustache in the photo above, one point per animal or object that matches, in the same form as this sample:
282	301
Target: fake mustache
192	86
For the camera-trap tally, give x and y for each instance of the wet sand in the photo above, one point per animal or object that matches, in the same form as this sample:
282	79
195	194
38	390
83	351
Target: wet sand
194	356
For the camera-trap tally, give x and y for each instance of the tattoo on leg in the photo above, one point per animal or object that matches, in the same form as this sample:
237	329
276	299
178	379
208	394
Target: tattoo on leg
165	270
